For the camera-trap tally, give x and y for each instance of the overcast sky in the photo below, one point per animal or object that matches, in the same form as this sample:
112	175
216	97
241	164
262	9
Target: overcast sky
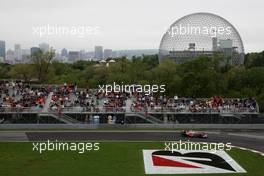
120	24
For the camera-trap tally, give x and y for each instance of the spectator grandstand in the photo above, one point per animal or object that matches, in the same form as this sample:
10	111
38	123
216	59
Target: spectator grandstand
19	96
192	105
68	104
22	96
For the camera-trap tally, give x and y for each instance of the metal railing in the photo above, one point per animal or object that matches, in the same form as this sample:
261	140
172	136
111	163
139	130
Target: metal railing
157	109
20	109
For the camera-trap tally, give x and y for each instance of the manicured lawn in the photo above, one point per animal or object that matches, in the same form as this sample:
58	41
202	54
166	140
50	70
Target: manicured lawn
113	159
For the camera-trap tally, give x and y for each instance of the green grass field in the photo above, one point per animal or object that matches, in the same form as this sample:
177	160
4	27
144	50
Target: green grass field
113	159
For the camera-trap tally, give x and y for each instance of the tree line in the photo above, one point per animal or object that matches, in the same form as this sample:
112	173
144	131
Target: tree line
199	77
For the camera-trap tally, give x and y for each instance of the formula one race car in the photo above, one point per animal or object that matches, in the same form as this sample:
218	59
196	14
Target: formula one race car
194	134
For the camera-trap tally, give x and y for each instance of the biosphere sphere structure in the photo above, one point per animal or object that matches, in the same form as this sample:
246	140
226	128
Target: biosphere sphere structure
201	34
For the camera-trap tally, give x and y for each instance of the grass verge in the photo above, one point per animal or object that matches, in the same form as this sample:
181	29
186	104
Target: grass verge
113	159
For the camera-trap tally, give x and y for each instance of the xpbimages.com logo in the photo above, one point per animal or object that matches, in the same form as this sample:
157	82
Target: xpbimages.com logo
146	89
175	146
189	29
79	31
79	147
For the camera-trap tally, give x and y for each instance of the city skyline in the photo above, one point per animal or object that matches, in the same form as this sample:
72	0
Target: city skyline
46	47
121	25
17	54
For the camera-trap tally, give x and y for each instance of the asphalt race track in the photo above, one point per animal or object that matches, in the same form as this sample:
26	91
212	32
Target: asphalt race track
251	140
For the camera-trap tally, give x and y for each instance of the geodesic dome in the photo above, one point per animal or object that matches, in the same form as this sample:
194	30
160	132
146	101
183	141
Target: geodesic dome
199	33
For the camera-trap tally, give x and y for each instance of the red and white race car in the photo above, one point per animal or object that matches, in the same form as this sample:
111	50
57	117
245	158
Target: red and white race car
194	134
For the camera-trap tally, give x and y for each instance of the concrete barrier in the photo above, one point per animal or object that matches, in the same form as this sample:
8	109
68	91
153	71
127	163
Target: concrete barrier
135	126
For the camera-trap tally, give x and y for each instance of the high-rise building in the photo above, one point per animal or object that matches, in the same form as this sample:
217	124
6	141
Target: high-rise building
44	47
107	53
18	52
74	56
10	56
64	52
25	52
82	55
90	54
2	50
33	50
98	52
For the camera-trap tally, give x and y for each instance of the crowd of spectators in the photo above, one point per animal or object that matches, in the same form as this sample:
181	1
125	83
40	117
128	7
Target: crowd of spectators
113	102
16	95
67	97
176	104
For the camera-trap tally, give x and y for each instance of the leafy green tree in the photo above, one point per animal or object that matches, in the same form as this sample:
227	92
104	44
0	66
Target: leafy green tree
22	71
4	70
254	59
42	61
